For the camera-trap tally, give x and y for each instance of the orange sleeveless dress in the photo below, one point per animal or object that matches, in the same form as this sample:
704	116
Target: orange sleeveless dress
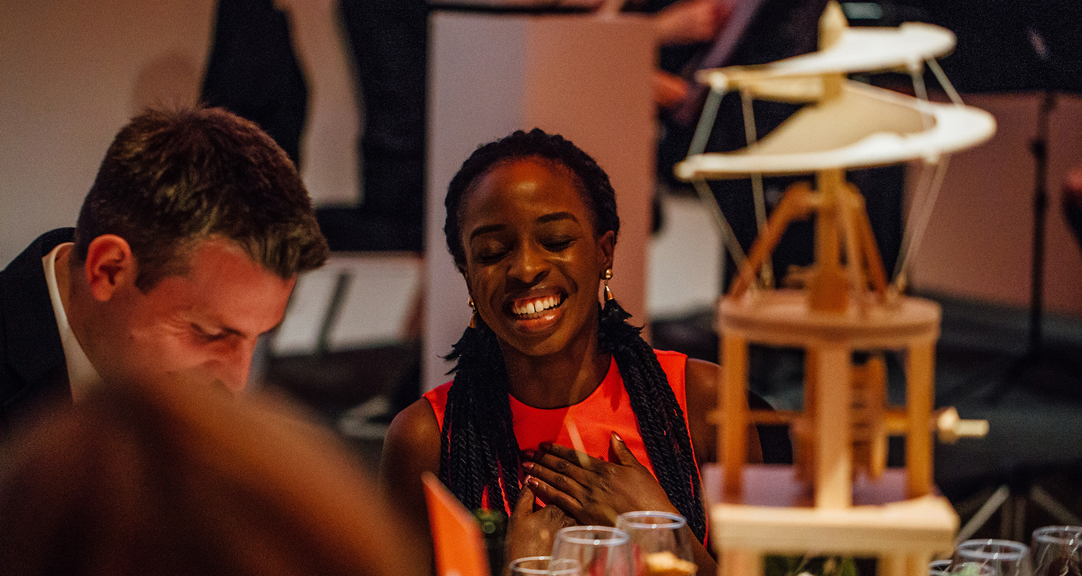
607	409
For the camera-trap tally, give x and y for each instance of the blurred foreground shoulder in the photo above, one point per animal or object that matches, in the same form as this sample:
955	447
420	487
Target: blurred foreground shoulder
411	447
144	477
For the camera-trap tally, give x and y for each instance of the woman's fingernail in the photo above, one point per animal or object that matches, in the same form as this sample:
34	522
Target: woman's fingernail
617	436
529	454
545	446
528	465
532	481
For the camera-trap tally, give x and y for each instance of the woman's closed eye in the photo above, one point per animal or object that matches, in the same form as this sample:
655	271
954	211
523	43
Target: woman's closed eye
491	257
489	252
558	244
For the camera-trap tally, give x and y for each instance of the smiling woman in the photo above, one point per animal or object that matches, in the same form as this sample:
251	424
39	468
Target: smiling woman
559	413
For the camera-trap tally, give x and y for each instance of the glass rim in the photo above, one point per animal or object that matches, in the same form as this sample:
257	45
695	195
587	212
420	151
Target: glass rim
941	566
543	558
1006	549
572	566
1058	534
676	521
605	535
948	566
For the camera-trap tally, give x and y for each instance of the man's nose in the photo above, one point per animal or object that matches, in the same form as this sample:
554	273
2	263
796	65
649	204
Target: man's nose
236	365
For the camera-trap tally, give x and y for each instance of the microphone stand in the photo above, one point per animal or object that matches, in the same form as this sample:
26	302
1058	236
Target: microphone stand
1039	149
1055	374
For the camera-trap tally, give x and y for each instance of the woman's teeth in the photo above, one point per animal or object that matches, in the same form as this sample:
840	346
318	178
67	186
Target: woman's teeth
535	306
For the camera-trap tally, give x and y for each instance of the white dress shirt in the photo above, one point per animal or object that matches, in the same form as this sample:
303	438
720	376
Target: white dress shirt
81	373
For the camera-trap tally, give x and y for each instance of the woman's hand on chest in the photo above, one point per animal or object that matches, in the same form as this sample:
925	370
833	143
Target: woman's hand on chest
594	491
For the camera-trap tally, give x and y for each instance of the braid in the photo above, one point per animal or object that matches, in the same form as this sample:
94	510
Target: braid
660	419
477	443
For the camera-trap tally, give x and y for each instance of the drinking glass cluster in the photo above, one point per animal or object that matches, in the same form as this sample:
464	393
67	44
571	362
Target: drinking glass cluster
641	544
1056	551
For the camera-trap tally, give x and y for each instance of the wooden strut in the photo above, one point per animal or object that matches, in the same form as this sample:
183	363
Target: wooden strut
847	205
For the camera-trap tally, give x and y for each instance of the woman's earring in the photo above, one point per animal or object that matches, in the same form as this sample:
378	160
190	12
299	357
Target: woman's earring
607	276
473	317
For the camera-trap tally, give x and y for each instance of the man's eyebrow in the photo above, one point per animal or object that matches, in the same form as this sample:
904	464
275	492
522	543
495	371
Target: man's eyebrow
233	331
216	325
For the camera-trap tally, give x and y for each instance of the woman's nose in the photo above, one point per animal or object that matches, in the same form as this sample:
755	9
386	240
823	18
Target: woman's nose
528	266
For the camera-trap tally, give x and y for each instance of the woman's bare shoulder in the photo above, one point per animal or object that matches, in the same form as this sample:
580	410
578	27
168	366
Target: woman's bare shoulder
414	429
701	377
412	444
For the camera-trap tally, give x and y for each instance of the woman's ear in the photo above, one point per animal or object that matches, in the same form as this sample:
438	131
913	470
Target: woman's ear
606	247
109	267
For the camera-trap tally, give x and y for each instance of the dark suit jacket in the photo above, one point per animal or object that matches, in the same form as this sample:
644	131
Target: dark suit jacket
32	366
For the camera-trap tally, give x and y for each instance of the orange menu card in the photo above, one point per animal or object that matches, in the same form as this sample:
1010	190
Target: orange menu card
456	536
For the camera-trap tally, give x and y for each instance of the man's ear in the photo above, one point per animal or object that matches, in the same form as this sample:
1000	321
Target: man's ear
109	266
606	246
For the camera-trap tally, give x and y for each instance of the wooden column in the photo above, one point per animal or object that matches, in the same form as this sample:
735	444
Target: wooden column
919	399
733	402
740	562
833	457
894	565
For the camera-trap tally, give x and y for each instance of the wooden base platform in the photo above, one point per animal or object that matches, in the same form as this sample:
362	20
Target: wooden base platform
775	518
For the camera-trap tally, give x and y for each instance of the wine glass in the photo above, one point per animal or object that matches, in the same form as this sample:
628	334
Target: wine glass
947	567
1004	557
599	550
1057	551
544	566
940	567
660	543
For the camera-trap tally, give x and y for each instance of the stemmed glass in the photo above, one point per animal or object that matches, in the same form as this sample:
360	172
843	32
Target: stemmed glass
660	543
949	568
544	566
1003	557
1057	551
940	567
599	550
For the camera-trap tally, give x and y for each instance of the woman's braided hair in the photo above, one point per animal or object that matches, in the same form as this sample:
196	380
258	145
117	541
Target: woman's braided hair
478	450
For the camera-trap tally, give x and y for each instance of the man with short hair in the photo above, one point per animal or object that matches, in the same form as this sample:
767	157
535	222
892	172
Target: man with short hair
186	249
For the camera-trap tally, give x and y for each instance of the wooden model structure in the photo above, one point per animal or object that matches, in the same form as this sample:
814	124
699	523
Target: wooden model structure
839	498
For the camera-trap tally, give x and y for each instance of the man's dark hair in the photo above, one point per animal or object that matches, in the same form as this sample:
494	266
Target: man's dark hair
479	454
174	178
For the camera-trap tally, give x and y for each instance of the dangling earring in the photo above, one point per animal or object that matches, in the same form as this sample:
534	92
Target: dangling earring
607	276
473	317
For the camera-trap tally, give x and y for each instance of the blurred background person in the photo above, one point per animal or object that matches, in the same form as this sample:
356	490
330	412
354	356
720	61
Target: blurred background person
254	70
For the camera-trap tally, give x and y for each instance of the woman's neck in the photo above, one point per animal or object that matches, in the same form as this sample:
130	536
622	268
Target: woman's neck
562	379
